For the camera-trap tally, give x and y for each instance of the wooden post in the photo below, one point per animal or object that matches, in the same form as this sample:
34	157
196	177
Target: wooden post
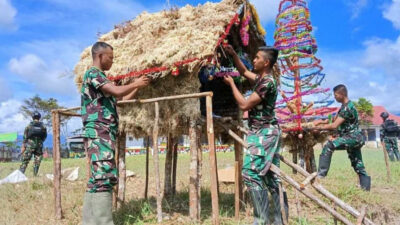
168	167
282	203
213	165
362	215
385	153
194	179
238	178
146	187
121	169
55	116
326	193
294	157
298	204
200	165
116	187
175	162
156	163
311	196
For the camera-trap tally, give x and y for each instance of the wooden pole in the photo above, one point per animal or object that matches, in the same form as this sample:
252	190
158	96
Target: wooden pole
146	187
322	204
174	165
238	178
385	154
298	204
168	166
326	193
194	179
200	165
116	187
362	215
175	97
56	164
156	163
282	203
213	165
121	169
308	180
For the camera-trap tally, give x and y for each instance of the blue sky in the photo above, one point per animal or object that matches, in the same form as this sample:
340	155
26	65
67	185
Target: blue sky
41	41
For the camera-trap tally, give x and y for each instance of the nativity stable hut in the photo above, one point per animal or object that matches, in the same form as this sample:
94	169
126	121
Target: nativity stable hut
181	49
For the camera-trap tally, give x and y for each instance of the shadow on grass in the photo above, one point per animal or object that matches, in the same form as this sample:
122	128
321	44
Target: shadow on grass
141	211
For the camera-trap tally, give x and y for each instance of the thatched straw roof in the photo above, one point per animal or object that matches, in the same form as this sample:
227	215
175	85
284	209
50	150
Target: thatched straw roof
162	39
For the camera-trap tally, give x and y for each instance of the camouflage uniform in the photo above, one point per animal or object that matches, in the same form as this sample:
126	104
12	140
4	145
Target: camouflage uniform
263	147
100	122
33	146
390	141
350	138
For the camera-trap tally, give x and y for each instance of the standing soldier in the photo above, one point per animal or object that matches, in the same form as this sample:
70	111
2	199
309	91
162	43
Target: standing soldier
389	133
100	123
350	138
264	135
34	135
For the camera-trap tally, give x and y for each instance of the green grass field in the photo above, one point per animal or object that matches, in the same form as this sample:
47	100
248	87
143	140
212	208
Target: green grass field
32	202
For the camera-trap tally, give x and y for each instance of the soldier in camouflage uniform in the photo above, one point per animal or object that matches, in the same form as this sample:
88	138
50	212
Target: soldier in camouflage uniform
264	135
350	138
100	122
388	133
34	136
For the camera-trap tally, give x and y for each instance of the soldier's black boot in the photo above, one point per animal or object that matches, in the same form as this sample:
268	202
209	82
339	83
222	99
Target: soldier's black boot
365	182
324	164
22	169
260	206
35	170
277	212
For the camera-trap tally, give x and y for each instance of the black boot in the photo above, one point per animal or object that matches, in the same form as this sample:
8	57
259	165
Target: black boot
22	169
35	170
260	206
324	164
276	211
365	182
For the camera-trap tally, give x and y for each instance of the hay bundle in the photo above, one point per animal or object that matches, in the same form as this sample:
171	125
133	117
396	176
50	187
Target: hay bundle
161	39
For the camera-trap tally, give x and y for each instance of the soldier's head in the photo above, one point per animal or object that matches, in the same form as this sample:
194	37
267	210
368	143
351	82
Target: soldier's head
265	59
340	92
102	54
36	115
384	115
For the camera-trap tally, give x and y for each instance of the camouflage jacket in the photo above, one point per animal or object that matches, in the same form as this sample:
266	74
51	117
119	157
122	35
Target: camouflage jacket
33	142
350	115
263	114
99	110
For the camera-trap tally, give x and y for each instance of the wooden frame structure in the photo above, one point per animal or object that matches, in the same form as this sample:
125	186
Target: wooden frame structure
119	192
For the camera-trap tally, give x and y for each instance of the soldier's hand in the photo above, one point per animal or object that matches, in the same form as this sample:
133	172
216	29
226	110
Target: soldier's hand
228	80
142	81
229	49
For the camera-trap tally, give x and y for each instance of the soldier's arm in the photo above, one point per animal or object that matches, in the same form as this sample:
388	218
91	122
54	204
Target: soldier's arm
121	91
244	104
240	66
339	120
131	95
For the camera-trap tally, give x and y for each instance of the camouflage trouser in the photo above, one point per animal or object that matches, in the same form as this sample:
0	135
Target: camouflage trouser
392	148
103	172
352	143
263	146
27	155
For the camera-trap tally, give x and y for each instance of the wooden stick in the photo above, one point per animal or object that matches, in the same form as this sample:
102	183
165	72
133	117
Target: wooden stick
237	187
168	167
200	165
242	129
65	113
322	204
57	164
194	179
362	215
308	180
175	97
326	193
213	165
156	163
334	219
146	187
385	154
298	204
282	203
121	169
116	187
175	162
69	109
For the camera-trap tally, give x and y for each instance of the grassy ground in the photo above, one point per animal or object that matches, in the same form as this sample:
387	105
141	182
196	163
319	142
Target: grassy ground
32	202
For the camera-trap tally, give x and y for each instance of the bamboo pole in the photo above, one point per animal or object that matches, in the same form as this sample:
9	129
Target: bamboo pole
55	116
213	165
385	154
322	204
121	169
146	187
326	193
156	163
194	179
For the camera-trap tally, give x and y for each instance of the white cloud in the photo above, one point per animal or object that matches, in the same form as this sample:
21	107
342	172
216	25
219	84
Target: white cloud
392	13
11	119
7	15
5	92
44	76
267	9
383	54
356	7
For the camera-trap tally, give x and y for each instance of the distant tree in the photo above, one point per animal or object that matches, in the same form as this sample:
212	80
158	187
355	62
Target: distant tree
44	107
366	113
